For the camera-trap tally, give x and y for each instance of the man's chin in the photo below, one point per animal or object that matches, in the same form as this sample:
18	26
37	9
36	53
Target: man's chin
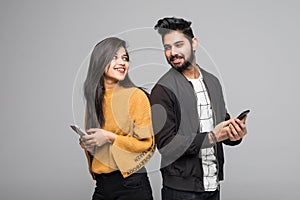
180	68
176	65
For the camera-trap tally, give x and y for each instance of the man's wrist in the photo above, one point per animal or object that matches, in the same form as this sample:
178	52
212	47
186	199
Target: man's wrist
213	137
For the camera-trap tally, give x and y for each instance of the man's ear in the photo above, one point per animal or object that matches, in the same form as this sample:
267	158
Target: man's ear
194	43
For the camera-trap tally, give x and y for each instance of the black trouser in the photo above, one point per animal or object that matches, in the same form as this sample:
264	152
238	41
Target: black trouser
113	186
172	194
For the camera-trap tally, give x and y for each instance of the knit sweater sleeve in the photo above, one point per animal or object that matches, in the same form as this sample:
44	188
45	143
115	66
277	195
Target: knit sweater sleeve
133	150
142	137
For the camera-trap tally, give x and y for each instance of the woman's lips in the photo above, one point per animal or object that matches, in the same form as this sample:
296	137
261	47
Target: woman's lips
120	69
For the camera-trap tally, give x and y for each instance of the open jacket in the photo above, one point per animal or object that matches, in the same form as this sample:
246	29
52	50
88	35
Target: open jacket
176	127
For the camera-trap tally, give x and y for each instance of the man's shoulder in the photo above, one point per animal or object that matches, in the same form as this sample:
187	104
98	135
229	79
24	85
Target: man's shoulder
207	74
209	77
170	74
171	78
163	85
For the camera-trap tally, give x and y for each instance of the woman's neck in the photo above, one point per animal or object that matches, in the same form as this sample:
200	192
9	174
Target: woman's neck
110	84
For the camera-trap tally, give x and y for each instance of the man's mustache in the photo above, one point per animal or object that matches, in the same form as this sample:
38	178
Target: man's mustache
176	56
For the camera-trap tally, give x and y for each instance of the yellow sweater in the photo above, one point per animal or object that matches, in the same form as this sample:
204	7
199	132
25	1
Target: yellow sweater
127	114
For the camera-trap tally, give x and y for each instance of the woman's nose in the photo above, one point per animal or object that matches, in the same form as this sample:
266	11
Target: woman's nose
120	61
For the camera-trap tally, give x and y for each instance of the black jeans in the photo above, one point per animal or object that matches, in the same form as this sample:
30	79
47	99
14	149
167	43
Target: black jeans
113	186
172	194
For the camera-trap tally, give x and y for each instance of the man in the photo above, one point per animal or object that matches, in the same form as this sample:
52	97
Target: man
190	119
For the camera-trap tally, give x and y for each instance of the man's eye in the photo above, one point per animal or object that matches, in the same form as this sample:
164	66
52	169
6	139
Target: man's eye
167	48
179	45
125	58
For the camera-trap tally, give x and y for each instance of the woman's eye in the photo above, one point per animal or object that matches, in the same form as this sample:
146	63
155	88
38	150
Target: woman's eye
115	57
125	58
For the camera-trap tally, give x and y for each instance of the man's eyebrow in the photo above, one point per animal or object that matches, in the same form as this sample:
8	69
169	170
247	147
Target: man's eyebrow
178	42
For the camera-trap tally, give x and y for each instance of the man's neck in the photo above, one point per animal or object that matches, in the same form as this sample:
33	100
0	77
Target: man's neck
192	72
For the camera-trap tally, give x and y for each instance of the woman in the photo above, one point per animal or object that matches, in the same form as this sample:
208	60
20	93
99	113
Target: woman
118	120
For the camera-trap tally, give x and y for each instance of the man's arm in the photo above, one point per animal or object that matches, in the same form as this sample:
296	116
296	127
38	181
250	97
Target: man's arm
166	121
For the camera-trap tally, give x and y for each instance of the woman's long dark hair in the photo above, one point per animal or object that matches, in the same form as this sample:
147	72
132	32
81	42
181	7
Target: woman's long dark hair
101	56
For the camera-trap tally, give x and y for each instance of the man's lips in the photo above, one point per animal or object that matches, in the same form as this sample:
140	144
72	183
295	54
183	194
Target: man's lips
176	61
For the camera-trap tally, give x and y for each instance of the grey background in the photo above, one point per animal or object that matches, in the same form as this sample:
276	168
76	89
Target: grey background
254	47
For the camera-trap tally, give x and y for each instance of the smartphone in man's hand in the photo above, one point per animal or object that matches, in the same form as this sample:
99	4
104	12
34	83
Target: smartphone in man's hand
243	114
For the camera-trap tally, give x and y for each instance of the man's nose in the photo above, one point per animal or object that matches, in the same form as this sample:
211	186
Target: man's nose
174	51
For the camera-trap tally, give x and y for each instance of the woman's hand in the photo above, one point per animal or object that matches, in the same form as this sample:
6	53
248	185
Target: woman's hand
97	138
81	144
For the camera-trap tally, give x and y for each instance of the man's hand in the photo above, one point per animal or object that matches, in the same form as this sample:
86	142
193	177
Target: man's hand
237	129
233	129
221	131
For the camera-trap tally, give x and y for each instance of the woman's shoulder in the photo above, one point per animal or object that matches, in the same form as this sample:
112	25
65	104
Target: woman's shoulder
135	94
139	101
139	94
136	91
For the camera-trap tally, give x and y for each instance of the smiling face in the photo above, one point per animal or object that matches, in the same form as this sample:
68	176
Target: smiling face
117	69
179	50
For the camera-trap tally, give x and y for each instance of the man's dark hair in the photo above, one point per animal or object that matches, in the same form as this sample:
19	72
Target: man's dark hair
168	24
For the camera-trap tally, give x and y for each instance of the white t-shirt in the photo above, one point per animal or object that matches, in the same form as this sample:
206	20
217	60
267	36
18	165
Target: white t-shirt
209	161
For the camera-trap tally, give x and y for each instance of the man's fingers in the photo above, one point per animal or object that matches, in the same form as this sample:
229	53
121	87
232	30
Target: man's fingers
244	119
241	123
242	127
226	123
236	132
233	132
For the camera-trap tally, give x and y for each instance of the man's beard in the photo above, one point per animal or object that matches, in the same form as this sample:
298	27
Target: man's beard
184	65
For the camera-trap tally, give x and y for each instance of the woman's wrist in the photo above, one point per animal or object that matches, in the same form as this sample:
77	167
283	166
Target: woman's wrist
110	136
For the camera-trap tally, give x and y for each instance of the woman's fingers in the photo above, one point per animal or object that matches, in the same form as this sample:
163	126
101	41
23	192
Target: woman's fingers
93	130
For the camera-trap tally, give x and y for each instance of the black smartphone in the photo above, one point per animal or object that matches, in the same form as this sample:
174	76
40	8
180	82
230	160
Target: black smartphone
78	130
243	114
